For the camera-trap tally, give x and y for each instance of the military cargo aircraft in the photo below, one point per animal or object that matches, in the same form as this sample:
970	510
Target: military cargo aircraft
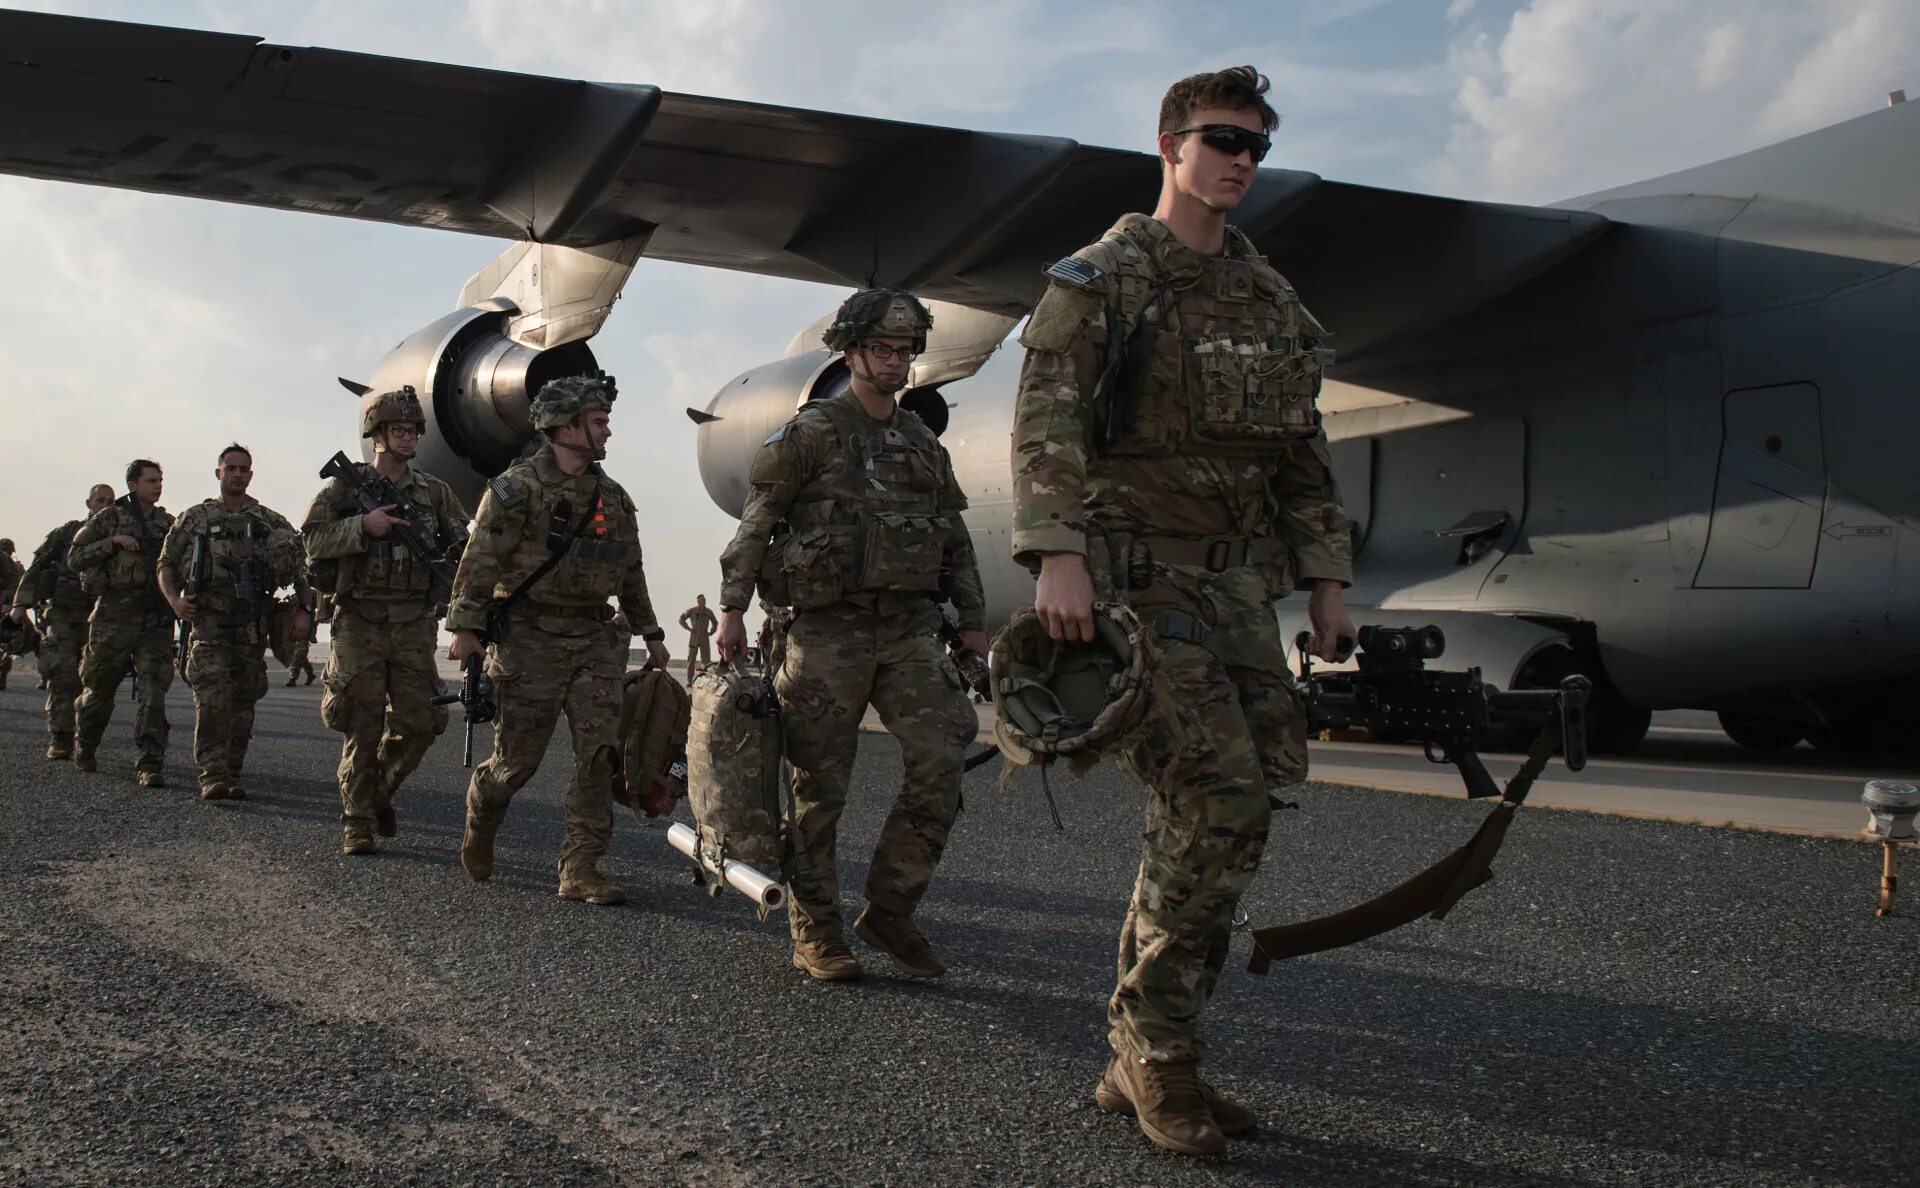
1662	435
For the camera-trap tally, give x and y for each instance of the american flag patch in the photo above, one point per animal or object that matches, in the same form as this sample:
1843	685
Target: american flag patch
1074	271
503	490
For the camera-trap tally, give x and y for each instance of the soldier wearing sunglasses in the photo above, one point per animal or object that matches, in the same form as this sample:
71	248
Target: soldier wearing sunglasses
1168	454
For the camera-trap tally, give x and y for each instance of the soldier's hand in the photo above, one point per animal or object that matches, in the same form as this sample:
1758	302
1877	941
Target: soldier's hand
380	521
466	644
657	656
302	626
1327	611
183	607
732	640
1064	598
126	542
975	641
19	615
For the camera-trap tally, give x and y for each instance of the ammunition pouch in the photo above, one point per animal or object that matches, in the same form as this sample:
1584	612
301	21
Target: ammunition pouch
812	562
901	553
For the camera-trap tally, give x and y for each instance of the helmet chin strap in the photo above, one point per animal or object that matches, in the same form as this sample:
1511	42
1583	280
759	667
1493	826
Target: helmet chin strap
884	388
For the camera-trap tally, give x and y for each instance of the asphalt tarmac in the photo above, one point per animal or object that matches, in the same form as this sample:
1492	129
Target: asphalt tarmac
196	993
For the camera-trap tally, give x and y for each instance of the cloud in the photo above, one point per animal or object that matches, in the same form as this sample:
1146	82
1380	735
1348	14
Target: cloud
1578	95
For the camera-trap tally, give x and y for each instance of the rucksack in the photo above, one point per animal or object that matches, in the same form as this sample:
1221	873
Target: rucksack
654	712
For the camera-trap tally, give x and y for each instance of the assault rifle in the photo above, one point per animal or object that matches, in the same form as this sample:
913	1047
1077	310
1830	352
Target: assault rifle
972	665
199	569
1452	714
476	695
371	490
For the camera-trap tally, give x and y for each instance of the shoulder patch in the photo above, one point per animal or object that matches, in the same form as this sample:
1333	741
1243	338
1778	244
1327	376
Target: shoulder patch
778	434
1074	271
503	491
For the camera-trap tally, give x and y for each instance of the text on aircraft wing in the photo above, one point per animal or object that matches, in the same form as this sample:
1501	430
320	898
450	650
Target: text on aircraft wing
963	216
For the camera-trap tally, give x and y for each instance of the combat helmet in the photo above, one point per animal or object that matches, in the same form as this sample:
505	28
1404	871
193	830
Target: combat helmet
1055	698
386	408
879	313
565	400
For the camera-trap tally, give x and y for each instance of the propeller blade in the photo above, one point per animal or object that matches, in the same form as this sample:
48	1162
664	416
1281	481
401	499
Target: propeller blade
357	389
700	418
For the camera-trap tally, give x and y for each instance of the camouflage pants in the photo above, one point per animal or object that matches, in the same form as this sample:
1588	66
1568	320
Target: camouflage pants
124	640
1222	736
228	673
297	662
380	685
63	637
536	675
836	663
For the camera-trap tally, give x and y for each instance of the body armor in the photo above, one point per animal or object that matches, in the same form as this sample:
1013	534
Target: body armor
869	522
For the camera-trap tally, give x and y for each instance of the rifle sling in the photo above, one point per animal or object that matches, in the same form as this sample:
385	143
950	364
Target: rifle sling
1432	892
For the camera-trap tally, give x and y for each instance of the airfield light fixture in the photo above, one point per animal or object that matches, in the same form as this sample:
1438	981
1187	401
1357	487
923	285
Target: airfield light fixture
1891	807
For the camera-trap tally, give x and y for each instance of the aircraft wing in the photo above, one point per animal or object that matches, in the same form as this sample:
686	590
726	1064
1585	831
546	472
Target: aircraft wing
964	216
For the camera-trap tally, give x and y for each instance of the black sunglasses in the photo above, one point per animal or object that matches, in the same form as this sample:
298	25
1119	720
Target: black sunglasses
1232	139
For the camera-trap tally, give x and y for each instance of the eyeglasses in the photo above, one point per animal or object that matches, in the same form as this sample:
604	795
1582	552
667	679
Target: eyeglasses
883	352
402	429
1232	140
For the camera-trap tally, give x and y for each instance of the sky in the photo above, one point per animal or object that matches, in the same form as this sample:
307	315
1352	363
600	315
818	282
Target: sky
133	325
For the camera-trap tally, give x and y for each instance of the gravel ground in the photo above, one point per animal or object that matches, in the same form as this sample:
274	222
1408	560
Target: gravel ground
208	993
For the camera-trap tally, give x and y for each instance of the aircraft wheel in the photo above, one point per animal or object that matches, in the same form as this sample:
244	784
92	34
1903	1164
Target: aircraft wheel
1615	726
1758	733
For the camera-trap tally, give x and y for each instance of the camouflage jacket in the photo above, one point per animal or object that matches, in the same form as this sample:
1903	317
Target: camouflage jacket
250	554
382	579
49	581
1220	443
523	514
844	509
123	578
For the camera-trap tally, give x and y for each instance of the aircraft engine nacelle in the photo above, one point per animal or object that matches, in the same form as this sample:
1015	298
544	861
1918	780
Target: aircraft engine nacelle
742	415
475	384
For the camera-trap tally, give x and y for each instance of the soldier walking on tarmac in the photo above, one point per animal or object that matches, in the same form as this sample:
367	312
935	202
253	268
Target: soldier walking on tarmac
381	673
221	563
52	587
869	511
698	622
115	554
1203	487
10	571
554	539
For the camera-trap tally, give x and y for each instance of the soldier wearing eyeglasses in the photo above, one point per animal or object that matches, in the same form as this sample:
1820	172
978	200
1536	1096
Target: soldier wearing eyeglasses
1168	454
852	510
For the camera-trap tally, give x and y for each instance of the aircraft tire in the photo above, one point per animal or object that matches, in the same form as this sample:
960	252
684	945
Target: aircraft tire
1759	733
1615	726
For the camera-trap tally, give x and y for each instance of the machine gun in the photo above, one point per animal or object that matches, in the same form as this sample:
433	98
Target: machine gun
1452	714
371	490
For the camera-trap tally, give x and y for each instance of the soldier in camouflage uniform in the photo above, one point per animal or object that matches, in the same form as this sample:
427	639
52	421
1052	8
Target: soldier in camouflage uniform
381	672
856	502
554	539
698	622
131	630
51	585
246	552
10	571
1198	492
298	662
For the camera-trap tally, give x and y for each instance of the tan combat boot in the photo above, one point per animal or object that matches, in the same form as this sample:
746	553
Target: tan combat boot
476	848
1232	1117
83	760
898	938
150	779
356	840
1165	1099
61	747
827	961
584	884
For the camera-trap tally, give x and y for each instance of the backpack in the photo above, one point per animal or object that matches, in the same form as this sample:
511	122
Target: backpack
653	743
733	771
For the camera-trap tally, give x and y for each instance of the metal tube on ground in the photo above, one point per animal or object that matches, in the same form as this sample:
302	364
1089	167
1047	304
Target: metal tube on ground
738	875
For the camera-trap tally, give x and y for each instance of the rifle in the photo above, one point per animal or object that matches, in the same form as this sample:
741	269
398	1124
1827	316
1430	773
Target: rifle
972	665
476	693
372	490
1453	714
199	568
